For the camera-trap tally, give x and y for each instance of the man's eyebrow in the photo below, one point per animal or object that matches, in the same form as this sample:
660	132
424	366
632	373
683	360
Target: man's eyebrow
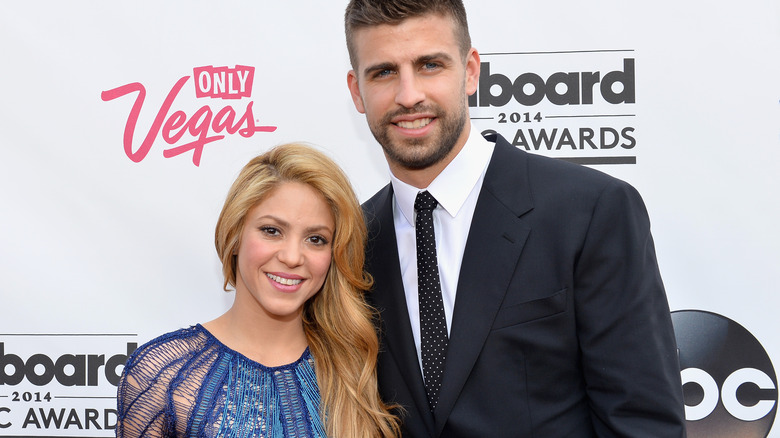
432	57
378	67
419	61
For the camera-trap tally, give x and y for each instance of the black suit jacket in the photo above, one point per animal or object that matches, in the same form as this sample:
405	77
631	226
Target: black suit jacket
561	326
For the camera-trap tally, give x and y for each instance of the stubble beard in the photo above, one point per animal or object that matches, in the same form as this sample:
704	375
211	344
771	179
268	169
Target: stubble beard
421	153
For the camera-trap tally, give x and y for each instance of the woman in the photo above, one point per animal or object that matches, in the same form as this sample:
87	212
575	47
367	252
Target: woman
295	355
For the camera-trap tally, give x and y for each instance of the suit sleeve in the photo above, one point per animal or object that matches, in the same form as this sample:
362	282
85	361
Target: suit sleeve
624	326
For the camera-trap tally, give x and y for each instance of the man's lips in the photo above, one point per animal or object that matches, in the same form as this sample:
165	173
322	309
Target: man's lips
415	123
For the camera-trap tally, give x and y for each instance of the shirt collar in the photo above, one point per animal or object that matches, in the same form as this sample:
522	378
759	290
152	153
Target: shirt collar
453	185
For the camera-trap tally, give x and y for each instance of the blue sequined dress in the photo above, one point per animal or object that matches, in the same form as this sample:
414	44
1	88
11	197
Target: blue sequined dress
187	383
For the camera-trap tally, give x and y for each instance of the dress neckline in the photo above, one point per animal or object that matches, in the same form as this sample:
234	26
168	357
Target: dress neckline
305	356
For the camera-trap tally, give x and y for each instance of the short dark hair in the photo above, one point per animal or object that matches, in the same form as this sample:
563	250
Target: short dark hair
367	13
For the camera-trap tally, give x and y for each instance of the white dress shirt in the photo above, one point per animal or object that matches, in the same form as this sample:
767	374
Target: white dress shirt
456	189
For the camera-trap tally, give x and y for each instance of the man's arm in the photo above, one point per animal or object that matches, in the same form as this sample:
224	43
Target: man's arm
624	327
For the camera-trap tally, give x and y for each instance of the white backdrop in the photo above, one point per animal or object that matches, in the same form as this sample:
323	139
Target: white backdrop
98	251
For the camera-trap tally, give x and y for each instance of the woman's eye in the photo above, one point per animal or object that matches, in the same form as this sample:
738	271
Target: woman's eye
271	231
318	240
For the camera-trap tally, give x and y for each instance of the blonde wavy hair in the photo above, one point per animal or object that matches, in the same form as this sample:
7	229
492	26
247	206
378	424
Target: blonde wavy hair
337	320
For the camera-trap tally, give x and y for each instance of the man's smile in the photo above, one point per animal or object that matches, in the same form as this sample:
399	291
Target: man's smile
414	124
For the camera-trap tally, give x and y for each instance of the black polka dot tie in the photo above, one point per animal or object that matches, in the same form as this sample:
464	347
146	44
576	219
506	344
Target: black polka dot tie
433	325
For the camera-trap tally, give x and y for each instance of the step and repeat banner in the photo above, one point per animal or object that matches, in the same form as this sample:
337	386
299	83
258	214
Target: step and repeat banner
122	126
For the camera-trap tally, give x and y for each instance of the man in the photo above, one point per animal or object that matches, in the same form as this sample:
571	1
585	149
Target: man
556	320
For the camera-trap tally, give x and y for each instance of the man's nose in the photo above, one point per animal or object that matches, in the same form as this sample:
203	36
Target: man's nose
410	90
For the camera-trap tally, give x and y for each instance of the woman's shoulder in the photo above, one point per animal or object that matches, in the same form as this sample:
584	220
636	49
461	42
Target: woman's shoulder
166	350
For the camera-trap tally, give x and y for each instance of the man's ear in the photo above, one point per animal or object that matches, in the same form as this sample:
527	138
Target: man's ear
472	71
354	91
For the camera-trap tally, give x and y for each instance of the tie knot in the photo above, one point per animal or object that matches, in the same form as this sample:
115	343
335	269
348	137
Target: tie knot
424	201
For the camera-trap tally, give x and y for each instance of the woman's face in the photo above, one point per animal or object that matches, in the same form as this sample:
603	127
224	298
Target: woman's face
285	251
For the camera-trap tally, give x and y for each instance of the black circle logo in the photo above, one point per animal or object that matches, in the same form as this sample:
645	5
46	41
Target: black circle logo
729	384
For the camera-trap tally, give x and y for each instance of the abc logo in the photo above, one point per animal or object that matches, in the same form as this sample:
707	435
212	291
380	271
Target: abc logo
729	384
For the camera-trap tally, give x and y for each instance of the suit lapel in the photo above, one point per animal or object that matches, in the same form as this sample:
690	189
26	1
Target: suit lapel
494	244
389	298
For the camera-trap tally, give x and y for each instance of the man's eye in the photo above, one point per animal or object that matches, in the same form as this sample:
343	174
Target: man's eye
431	66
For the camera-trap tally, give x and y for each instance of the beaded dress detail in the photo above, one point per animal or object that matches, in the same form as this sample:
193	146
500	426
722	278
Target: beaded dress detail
187	383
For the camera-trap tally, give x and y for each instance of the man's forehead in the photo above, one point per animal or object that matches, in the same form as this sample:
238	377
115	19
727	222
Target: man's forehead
414	36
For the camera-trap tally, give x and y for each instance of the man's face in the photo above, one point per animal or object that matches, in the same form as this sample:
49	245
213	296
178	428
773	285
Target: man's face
412	84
